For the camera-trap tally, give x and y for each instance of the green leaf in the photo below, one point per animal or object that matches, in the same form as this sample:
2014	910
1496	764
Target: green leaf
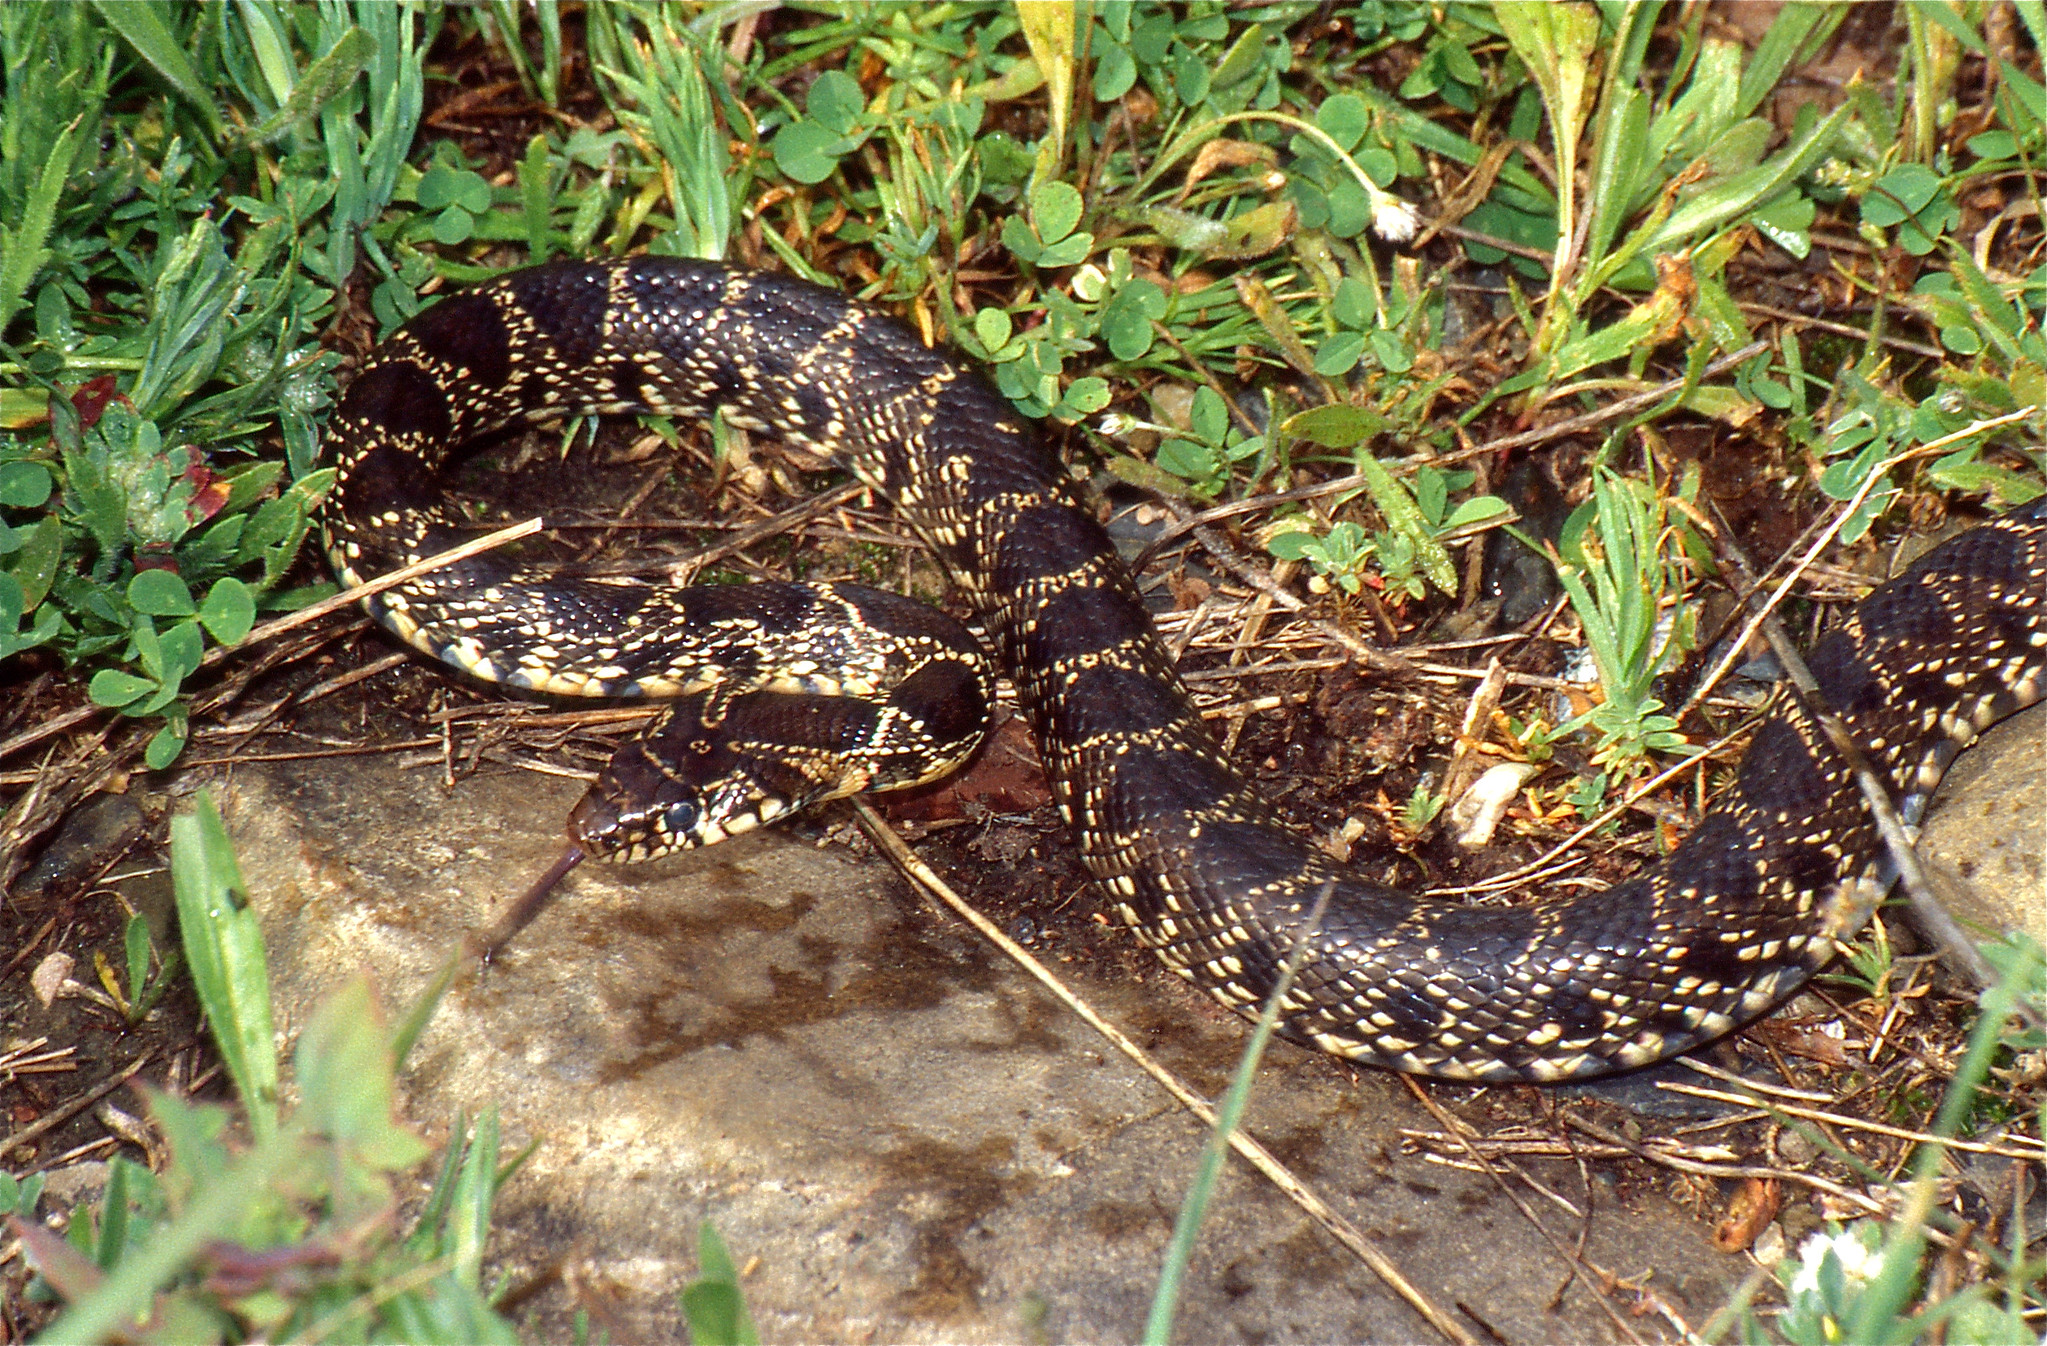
1962	475
1336	426
164	747
323	82
1339	354
1257	231
1021	242
1191	77
1395	356
1478	509
712	1304
1354	303
992	327
1556	41
112	688
1290	543
160	593
1787	222
1405	518
1994	145
452	226
1724	200
1913	198
148	649
536	197
835	101
12	608
808	152
1903	192
1071	250
1004	160
1244	58
474	1193
229	611
182	648
24	243
444	186
214	1210
1796	32
24	485
1084	397
1961	340
1115	74
1127	318
135	941
344	1069
35	562
224	948
163	696
1350	209
1344	118
1055	209
1210	415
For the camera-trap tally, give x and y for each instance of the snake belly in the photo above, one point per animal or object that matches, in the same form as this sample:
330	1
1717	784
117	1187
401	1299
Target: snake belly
1183	848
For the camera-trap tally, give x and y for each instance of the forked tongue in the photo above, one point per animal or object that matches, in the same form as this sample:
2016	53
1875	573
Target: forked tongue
521	913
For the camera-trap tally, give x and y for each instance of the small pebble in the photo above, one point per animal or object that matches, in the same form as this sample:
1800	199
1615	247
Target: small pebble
50	976
1794	1149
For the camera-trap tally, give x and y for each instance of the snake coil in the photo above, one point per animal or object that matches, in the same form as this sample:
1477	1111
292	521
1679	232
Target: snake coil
1185	851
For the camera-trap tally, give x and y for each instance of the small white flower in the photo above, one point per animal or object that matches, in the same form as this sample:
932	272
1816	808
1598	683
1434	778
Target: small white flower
1394	220
1859	1262
1089	284
1118	424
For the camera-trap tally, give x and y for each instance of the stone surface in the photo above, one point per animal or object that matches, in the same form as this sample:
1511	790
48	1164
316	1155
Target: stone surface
1985	843
900	1135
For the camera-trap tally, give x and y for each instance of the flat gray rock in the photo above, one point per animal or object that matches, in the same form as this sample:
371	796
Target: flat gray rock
1986	843
898	1134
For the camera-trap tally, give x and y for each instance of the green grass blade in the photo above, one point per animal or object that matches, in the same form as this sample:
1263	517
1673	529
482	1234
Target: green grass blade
142	26
1743	192
2033	13
476	1191
1617	163
1158	1327
266	30
1798	27
415	1021
1875	1314
224	947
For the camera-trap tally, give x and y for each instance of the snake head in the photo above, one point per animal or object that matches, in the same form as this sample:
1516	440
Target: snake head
681	787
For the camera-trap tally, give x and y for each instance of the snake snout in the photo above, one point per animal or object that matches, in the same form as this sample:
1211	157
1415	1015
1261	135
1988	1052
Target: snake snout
594	821
649	802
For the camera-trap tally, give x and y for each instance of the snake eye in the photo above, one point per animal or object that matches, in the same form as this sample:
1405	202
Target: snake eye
681	820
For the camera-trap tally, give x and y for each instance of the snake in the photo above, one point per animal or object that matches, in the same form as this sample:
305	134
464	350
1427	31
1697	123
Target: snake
868	691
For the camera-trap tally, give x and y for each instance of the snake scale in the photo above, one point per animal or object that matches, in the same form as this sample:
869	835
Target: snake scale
1184	850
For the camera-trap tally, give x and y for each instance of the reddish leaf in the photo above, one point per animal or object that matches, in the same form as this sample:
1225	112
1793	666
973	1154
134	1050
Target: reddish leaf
91	399
70	1273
